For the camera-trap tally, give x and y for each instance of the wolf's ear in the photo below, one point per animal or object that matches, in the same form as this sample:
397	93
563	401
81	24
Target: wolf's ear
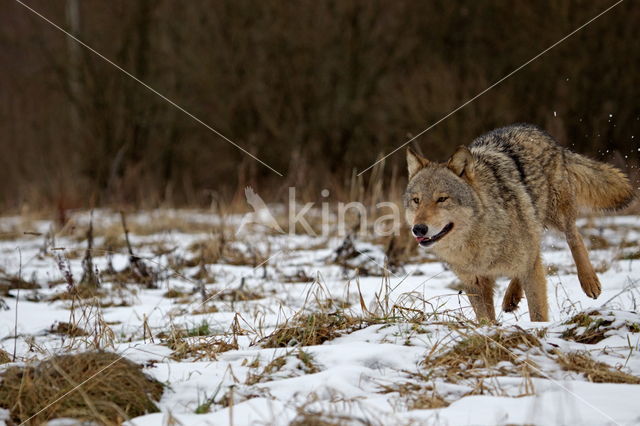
415	162
462	163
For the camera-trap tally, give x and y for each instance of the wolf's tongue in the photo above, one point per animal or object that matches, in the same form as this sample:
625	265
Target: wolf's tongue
420	239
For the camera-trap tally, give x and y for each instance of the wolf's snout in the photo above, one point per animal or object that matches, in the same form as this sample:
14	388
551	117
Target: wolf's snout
420	230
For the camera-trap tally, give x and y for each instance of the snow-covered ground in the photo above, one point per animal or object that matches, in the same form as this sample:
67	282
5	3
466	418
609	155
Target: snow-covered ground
205	330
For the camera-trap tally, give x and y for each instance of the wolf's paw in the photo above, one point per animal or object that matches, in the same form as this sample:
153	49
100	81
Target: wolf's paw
590	285
512	296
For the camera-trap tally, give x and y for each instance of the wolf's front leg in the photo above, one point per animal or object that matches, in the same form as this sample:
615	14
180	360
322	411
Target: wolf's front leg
480	293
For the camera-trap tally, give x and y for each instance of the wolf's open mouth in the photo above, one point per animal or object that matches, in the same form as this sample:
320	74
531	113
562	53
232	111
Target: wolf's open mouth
427	241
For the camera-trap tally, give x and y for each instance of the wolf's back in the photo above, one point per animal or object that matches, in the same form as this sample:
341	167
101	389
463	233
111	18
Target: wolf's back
598	185
547	169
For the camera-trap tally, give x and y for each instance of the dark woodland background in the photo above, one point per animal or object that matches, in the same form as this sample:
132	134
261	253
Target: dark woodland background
315	88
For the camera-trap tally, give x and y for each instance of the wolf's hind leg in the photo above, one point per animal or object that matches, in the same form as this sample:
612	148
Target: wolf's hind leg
588	279
512	296
480	293
535	289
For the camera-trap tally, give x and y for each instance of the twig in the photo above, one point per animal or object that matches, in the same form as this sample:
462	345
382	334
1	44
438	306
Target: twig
89	276
15	323
625	289
126	233
137	266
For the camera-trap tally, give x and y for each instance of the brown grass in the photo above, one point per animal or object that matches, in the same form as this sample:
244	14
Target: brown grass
418	397
5	357
312	329
205	309
11	283
590	327
594	371
300	276
161	223
635	255
427	401
196	343
117	389
314	418
597	242
173	293
305	365
207	349
237	295
78	292
207	251
478	351
240	256
586	327
68	329
308	414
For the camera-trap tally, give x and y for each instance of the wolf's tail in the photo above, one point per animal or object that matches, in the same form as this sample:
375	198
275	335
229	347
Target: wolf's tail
598	185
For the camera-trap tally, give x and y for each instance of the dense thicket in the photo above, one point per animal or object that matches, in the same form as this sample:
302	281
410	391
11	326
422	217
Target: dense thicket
314	88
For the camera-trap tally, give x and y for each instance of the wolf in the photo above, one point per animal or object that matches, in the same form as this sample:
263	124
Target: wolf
483	212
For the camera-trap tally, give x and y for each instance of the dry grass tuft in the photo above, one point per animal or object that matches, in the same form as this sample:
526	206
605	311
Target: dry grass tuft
240	294
5	357
173	293
198	350
423	401
207	251
634	255
595	371
241	255
597	242
78	292
480	352
300	276
162	222
592	327
195	343
312	329
205	309
418	397
118	391
312	416
302	363
68	329
586	327
315	419
12	282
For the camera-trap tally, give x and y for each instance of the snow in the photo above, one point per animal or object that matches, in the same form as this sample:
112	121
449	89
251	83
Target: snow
352	369
580	403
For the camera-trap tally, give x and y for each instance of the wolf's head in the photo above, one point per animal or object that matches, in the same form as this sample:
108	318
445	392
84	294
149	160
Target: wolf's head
440	202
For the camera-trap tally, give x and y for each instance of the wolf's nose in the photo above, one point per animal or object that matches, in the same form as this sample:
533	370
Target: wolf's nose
420	230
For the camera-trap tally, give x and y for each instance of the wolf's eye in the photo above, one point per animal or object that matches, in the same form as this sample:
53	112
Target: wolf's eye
442	199
416	200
